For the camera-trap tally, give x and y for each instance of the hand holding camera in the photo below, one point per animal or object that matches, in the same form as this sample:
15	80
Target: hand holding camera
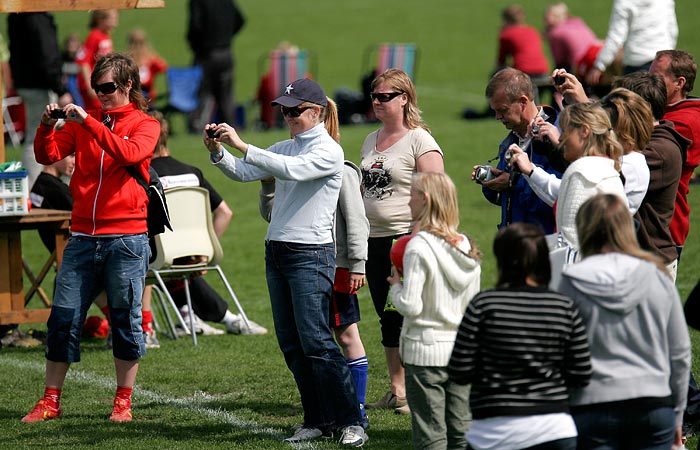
519	160
57	114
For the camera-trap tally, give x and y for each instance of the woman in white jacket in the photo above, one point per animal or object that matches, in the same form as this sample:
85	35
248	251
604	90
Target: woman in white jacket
591	146
441	270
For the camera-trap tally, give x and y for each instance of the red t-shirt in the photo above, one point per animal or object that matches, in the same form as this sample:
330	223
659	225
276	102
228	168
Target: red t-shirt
96	45
523	44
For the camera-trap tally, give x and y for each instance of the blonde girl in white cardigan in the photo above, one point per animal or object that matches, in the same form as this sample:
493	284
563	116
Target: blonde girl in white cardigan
441	274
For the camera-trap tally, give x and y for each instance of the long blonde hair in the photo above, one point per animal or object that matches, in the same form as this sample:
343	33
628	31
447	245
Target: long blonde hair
604	224
601	140
139	47
440	215
631	117
401	82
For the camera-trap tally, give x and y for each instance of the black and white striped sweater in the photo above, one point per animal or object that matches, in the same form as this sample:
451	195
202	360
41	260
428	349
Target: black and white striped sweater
521	350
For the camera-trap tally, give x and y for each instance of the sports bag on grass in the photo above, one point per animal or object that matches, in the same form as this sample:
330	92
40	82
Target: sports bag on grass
158	216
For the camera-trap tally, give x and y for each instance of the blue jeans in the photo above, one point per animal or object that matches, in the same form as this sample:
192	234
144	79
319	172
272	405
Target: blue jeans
300	281
90	265
611	426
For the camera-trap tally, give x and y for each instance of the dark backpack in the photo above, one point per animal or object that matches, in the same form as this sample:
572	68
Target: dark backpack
158	215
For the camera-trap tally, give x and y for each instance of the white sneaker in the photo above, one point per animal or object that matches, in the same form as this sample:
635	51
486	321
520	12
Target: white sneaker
151	339
200	326
354	436
303	433
238	326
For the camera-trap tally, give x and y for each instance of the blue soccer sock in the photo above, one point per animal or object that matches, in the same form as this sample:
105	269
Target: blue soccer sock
358	370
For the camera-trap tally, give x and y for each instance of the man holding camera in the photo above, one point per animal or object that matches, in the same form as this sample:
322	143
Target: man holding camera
511	95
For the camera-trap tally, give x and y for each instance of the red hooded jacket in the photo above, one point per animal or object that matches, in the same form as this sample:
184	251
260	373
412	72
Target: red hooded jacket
685	115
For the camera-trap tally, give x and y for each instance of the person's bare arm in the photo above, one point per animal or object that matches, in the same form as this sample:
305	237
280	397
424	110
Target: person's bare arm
430	162
222	218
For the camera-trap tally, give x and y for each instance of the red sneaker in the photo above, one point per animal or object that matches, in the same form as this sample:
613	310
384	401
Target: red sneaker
41	412
121	412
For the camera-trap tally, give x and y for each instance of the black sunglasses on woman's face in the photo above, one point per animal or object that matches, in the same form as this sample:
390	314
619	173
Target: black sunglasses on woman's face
106	88
293	112
384	97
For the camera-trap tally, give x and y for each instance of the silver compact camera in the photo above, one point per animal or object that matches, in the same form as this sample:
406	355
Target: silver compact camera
508	156
483	173
535	130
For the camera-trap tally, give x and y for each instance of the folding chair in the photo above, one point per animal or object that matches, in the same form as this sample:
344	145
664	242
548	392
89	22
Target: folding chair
283	67
189	250
402	56
183	92
14	126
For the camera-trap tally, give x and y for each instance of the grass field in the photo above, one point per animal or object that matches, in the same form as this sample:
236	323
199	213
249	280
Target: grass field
235	392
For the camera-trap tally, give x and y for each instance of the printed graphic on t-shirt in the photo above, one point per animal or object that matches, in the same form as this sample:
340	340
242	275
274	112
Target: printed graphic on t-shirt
376	180
187	179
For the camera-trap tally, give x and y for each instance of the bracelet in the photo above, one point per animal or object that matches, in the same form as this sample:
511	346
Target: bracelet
531	172
216	157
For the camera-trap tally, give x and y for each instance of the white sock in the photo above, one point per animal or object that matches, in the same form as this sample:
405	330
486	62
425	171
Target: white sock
230	317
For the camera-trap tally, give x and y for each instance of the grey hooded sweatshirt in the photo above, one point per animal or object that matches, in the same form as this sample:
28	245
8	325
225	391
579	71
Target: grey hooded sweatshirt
636	330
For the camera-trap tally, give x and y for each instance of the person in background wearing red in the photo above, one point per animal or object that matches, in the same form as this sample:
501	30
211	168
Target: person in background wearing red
97	44
149	61
521	44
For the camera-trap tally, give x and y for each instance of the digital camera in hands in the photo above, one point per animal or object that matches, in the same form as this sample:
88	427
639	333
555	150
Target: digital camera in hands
483	173
211	133
58	114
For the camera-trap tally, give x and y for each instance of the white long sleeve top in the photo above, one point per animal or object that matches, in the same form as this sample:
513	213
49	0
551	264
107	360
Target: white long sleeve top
641	27
308	170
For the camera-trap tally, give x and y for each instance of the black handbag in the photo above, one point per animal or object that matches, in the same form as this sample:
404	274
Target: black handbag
158	215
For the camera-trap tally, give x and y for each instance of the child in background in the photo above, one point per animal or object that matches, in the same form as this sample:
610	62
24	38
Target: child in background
149	61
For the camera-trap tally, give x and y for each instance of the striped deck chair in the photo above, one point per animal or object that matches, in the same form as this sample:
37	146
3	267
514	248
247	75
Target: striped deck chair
402	56
283	68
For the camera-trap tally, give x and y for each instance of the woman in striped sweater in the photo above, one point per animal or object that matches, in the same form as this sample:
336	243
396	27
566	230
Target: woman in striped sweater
522	347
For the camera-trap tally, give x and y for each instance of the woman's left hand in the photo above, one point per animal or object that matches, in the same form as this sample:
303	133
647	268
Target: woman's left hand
74	113
520	159
395	277
226	134
357	280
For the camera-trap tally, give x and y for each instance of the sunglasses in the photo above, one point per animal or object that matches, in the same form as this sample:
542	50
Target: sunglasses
384	97
106	88
293	112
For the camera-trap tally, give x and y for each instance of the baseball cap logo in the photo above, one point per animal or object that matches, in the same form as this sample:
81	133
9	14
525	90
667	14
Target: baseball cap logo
288	90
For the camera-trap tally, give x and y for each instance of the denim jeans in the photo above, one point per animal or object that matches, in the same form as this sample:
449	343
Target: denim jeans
300	281
90	265
621	426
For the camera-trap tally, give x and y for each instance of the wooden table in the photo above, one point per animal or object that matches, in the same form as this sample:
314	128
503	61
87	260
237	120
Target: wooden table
12	295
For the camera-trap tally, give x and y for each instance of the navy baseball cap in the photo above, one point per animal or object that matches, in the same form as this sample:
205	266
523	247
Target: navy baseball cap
300	91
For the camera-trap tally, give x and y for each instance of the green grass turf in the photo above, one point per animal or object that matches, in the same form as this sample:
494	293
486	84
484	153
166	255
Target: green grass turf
235	391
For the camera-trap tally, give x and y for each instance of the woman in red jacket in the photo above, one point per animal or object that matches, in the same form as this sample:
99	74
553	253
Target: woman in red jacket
108	248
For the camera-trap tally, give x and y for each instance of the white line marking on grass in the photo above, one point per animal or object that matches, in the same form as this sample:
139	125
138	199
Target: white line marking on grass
192	403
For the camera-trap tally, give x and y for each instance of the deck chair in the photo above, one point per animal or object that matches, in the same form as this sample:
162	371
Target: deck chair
182	94
278	69
385	56
189	250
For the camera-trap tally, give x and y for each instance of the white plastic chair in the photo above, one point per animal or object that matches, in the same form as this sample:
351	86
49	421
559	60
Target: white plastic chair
192	247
